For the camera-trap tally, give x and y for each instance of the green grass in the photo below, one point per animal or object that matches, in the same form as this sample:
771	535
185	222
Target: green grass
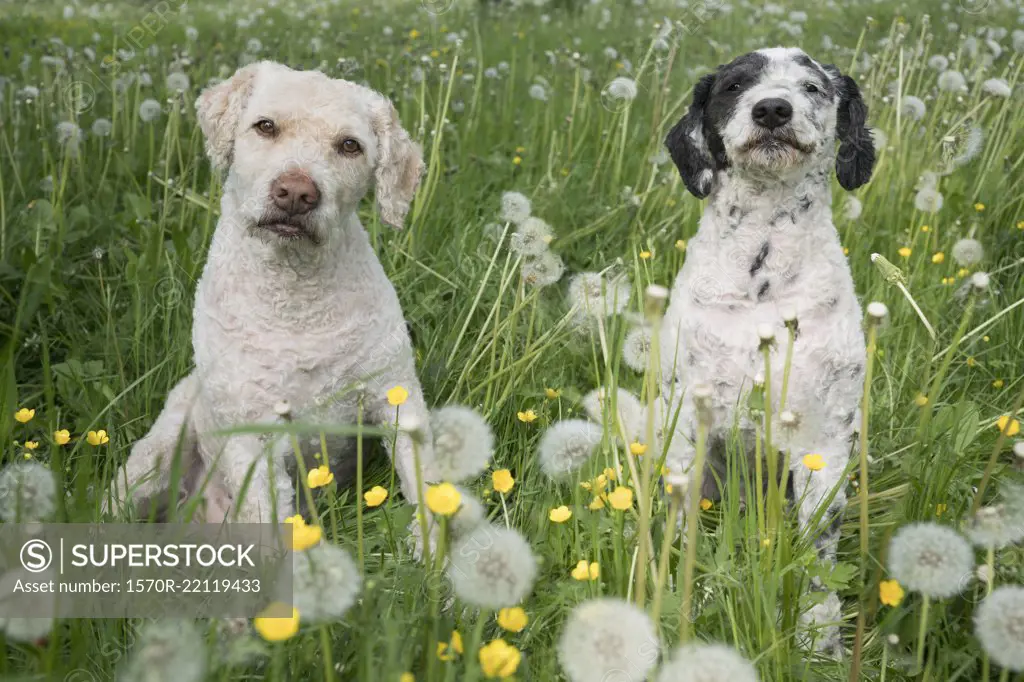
98	265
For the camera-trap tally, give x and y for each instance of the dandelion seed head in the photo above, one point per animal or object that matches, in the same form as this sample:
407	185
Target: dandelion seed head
636	349
699	662
515	207
532	237
543	270
997	87
167	650
28	493
852	208
930	559
622	88
928	200
325	583
463	443
967	252
629	411
68	133
177	82
607	639
538	92
149	110
492	567
938	62
102	127
595	296
566	445
999	625
913	107
952	81
996	526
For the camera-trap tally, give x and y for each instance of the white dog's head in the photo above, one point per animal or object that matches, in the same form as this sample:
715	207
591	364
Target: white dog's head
772	112
301	149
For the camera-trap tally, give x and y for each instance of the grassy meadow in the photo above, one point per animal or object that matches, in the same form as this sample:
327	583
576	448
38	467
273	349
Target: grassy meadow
108	204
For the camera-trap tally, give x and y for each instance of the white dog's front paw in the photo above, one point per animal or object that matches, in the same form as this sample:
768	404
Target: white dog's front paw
820	624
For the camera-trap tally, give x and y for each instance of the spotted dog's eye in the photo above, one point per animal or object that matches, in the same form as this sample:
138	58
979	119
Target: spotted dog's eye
265	127
350	147
735	87
811	88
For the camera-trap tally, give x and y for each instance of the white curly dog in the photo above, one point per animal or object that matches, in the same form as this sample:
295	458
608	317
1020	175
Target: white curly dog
293	305
760	139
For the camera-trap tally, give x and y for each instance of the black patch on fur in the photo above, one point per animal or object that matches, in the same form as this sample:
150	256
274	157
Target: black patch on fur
823	80
759	259
763	290
856	157
848	419
805	204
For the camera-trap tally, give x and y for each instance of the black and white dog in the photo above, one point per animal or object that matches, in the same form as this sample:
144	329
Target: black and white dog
760	140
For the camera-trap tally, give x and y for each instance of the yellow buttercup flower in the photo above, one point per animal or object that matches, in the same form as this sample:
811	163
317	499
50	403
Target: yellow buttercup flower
905	251
962	272
446	651
97	438
513	619
24	415
1011	427
319	477
940	509
499	659
443	499
277	629
526	416
938	257
680	245
502	480
706	504
596	504
998	383
61	437
586	571
814	462
609	473
638	449
921	400
925	228
890	592
303	536
397	396
414	34
406	677
375	496
979	207
31	444
560	514
621	498
516	160
552	393
645	255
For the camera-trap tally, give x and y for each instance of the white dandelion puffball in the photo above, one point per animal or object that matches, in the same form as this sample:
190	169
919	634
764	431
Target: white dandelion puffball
254	45
699	662
177	82
469	516
877	310
952	81
996	527
967	252
28	493
463	443
980	280
997	87
622	88
544	270
928	200
150	110
631	415
538	92
970	147
566	446
68	133
515	207
913	107
532	237
167	650
597	297
492	567
102	127
938	62
191	33
325	583
930	559
852	208
879	139
608	639
999	625
636	349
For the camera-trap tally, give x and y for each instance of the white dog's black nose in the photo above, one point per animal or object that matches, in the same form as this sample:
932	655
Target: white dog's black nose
295	193
772	113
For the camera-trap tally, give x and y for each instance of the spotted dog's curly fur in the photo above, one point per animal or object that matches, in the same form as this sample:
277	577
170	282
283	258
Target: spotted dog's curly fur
292	305
767	245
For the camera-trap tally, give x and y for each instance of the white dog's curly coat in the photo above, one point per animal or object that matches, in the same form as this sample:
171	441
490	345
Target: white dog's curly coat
759	139
293	304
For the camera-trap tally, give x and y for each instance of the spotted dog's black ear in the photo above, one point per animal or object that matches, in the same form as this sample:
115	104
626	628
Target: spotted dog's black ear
856	157
687	146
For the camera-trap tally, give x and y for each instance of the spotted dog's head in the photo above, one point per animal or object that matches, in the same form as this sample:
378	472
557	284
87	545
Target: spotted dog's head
772	112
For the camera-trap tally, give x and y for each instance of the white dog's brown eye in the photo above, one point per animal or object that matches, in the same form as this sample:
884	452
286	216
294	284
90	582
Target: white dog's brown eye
265	127
811	88
350	147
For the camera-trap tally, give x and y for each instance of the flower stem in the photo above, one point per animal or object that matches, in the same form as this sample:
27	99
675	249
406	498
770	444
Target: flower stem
922	629
666	552
685	610
994	457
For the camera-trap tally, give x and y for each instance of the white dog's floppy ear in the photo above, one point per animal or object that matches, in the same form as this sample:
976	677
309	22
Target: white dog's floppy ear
218	109
687	145
399	166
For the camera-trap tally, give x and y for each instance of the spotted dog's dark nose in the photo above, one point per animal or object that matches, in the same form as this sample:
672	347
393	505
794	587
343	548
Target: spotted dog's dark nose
295	193
772	113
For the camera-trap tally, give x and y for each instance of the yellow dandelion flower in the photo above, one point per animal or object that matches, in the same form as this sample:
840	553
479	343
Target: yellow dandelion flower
814	462
375	496
638	449
560	514
31	444
319	477
961	273
645	255
502	480
680	245
890	592
499	659
979	207
846	251
998	383
921	400
986	338
1007	425
303	536
61	437
443	499
621	498
97	438
552	393
706	504
527	416
905	251
397	395
938	257
517	160
925	228
513	619
24	415
971	362
414	34
277	628
1020	224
